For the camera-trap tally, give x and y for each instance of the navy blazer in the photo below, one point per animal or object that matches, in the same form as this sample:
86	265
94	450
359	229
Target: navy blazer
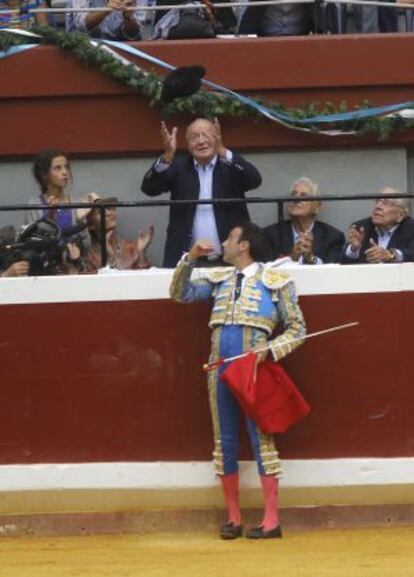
230	180
402	239
328	240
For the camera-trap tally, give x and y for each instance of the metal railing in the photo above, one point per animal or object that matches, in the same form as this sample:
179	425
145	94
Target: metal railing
279	200
155	8
320	11
220	6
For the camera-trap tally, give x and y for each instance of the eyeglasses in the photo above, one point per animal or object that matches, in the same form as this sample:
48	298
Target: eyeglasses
297	197
387	202
195	137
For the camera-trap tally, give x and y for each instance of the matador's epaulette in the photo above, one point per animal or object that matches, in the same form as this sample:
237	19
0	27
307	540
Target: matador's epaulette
217	275
274	279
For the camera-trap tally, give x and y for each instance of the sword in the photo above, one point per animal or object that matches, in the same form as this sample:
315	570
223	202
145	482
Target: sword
211	366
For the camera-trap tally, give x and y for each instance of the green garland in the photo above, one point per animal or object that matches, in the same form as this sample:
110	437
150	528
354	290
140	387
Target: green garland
203	103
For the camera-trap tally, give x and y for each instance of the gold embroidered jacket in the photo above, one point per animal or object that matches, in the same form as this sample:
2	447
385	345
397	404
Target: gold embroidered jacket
269	297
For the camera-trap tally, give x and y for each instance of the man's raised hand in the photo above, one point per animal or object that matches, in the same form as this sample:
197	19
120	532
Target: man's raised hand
355	237
169	141
19	268
376	253
201	248
220	148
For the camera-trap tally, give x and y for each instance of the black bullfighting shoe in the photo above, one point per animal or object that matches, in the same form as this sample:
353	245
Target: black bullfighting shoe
230	531
260	533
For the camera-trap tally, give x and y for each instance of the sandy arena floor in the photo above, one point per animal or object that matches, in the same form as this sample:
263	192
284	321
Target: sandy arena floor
387	552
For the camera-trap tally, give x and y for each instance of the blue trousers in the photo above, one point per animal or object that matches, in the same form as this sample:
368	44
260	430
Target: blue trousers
227	341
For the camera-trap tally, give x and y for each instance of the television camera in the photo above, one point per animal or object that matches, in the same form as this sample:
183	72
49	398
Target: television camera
42	244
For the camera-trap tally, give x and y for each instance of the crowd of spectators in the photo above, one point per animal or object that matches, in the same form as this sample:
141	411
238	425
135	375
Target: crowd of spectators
72	245
60	240
126	20
210	170
23	19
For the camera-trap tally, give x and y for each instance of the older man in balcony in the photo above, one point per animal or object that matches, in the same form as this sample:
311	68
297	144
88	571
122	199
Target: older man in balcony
387	236
302	237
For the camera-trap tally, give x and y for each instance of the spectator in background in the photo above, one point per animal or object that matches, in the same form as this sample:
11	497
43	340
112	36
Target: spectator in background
223	19
277	20
119	24
387	236
122	254
24	20
52	172
208	170
302	237
375	19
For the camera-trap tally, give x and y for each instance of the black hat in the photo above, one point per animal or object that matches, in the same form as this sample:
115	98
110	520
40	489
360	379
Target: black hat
183	81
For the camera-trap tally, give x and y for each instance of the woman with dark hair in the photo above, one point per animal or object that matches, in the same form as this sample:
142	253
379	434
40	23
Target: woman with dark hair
53	173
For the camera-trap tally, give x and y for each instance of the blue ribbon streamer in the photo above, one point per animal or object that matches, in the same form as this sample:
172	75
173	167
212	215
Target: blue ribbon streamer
269	112
16	50
266	111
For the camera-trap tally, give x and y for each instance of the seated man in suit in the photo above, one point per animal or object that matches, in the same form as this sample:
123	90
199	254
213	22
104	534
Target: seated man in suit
375	19
386	236
208	170
302	237
223	18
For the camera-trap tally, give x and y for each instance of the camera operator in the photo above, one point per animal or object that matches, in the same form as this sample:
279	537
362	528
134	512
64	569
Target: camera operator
19	268
10	267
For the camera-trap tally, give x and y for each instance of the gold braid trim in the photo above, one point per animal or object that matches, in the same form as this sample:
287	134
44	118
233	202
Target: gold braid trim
216	275
180	279
269	454
274	279
212	394
293	321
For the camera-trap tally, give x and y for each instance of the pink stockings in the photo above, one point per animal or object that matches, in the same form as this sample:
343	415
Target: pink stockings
270	486
230	486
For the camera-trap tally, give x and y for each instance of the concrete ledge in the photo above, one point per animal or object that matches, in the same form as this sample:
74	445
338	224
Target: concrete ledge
131	500
144	522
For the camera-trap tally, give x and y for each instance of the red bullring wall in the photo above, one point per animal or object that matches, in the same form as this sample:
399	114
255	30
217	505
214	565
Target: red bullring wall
49	97
121	380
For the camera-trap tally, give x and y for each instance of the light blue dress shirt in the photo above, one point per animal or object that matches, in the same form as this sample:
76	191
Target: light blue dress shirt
204	223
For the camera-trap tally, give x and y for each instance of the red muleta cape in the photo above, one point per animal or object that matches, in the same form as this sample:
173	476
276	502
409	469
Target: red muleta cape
272	400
